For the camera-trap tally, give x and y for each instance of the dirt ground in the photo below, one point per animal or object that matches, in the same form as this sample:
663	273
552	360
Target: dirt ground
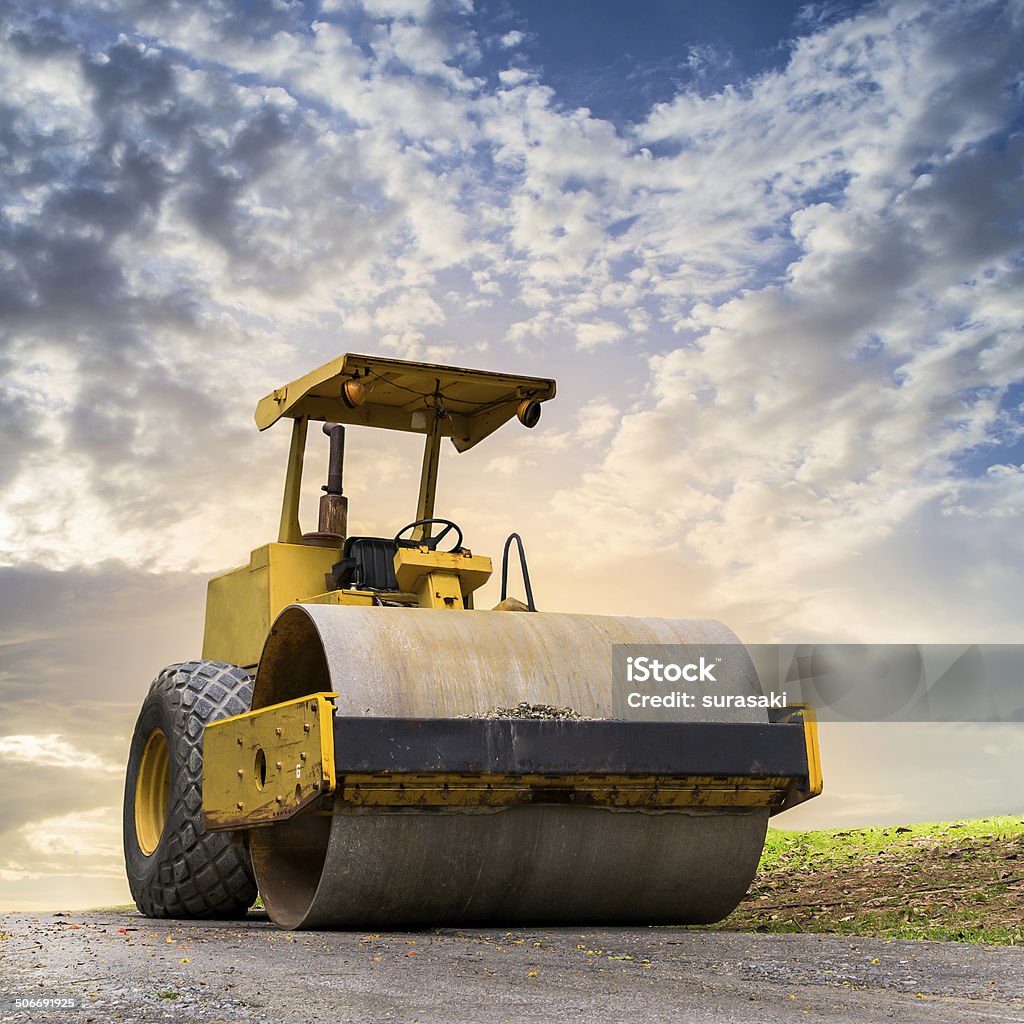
960	881
125	968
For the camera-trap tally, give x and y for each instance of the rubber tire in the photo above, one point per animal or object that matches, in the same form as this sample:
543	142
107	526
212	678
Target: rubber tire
192	872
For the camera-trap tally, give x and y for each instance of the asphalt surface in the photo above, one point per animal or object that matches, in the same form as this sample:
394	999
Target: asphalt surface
122	967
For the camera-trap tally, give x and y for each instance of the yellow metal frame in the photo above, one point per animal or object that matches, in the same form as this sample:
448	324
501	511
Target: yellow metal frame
428	473
266	765
423	398
815	781
290	532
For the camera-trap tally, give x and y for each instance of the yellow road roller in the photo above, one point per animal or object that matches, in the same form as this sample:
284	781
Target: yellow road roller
366	749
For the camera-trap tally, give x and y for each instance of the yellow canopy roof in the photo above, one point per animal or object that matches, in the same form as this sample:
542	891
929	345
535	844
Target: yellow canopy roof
404	395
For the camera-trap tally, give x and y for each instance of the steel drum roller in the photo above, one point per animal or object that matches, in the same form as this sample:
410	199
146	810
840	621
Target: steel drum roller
524	864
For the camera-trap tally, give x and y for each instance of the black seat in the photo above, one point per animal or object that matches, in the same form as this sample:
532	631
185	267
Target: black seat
368	563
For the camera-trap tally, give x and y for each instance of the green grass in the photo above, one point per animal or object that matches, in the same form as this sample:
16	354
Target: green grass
953	881
809	848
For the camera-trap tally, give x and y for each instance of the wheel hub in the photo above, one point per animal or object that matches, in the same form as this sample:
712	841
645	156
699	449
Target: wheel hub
152	787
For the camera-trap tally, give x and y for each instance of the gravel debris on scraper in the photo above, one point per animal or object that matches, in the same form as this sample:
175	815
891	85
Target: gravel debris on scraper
545	711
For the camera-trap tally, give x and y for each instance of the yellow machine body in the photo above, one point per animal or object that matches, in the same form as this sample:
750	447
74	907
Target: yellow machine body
440	579
436	401
242	603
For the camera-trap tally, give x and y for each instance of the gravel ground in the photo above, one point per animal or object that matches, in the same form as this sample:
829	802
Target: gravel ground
126	968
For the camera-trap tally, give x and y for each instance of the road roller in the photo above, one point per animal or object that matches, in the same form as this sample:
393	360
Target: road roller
365	748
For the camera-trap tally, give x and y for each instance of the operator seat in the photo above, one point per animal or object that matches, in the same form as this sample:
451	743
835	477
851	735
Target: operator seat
367	563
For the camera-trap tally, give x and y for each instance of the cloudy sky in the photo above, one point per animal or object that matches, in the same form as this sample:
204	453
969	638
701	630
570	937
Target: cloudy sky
769	251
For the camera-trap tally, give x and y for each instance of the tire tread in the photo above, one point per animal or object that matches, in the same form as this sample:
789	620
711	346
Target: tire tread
202	874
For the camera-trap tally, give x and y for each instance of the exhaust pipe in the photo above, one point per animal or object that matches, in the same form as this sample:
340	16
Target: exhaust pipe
332	522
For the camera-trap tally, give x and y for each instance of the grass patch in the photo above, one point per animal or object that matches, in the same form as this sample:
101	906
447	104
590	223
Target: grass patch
957	881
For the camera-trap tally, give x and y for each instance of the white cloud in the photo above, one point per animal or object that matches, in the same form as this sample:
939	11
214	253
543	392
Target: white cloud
602	332
506	465
596	420
93	837
53	751
816	414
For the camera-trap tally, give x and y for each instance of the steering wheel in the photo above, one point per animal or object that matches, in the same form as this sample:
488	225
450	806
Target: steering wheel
431	542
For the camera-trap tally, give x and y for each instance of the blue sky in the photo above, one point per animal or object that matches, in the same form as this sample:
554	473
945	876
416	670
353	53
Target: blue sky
772	253
619	60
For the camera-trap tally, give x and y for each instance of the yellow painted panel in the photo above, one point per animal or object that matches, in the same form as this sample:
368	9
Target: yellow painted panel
413	564
242	603
265	765
297	573
237	616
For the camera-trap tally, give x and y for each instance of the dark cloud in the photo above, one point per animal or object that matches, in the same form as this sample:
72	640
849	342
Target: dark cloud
40	36
61	263
969	209
130	76
83	274
86	637
216	178
59	276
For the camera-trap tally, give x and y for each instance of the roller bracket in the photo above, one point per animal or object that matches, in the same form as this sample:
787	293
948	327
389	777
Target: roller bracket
267	765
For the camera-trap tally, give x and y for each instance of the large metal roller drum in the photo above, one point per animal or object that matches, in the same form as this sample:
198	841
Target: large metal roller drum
538	864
